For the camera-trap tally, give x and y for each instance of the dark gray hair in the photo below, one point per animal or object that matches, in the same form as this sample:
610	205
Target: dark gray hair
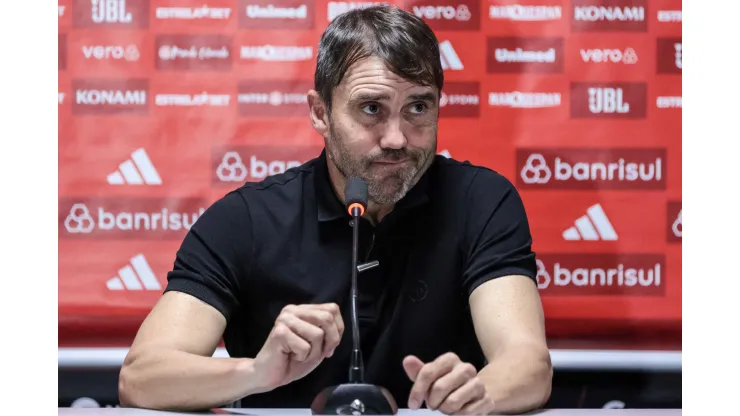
404	41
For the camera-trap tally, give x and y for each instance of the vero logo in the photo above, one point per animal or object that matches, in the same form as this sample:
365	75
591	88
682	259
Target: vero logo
593	226
136	170
136	275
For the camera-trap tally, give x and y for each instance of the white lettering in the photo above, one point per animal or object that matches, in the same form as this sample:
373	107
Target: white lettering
670	16
149	221
110	97
188	13
524	99
110	11
196	100
620	170
525	13
260	169
256	11
618	276
520	55
607	101
277	53
597	13
669	102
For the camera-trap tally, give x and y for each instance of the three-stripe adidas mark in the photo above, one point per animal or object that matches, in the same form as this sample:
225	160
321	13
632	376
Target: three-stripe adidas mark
593	226
449	57
137	275
138	170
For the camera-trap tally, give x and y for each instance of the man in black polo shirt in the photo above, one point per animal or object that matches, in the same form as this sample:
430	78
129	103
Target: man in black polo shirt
451	319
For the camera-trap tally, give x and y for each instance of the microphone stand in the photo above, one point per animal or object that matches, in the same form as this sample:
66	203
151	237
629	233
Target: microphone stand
355	397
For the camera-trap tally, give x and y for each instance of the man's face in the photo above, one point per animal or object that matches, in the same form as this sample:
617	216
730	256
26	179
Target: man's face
382	129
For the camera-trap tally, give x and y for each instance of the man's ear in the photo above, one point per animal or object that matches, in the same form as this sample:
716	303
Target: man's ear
319	113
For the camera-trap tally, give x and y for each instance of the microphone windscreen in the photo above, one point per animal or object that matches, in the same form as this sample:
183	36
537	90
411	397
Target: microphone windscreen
355	192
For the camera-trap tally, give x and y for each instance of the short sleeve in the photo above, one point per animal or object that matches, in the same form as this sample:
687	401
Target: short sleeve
497	238
213	260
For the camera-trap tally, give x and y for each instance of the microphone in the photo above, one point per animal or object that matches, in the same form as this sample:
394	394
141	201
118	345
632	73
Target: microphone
355	397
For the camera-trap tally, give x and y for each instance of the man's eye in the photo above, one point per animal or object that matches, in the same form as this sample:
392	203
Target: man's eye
371	109
418	108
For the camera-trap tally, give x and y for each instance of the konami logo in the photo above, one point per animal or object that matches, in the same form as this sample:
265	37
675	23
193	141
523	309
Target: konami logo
134	218
612	274
276	14
124	96
273	98
447	14
239	164
609	15
513	55
608	100
111	13
670	56
460	99
193	52
604	168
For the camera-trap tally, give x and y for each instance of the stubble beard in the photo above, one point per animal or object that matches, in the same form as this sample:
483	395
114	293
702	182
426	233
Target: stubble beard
383	188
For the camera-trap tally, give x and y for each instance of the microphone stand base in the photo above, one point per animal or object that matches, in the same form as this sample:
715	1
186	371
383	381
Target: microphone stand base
354	399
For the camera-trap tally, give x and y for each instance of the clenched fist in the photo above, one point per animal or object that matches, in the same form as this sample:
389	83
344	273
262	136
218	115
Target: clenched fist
302	337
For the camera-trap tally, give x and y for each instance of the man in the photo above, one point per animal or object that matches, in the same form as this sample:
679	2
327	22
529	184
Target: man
450	320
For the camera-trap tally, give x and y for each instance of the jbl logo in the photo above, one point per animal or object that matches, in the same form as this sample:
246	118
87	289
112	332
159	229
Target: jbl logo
110	11
607	101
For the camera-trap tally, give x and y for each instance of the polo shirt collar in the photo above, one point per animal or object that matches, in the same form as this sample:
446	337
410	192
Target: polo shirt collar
330	207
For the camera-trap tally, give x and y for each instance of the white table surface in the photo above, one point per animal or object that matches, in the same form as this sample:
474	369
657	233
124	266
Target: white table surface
114	411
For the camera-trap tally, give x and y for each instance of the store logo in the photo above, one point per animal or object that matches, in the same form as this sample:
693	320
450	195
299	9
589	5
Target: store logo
460	99
273	98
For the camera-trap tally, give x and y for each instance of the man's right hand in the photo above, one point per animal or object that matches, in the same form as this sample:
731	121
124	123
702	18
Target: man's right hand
303	335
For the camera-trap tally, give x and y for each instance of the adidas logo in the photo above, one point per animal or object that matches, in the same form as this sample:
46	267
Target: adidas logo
137	275
138	170
593	226
449	57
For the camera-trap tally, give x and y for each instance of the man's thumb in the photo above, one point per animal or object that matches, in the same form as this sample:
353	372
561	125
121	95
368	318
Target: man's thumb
412	365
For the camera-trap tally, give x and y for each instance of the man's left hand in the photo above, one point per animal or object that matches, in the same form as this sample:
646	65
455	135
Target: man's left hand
448	385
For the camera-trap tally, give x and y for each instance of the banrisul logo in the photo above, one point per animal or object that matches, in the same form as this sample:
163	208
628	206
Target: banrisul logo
124	218
603	168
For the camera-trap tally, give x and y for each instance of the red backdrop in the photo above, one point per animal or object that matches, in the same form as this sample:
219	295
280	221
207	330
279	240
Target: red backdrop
166	105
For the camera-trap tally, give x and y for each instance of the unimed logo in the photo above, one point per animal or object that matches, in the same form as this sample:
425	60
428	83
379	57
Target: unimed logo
276	14
128	218
585	168
460	99
669	58
613	274
608	100
239	164
674	222
609	16
111	13
515	55
110	96
273	98
447	14
193	52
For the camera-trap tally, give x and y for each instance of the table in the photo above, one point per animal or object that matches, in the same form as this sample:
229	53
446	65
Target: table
113	411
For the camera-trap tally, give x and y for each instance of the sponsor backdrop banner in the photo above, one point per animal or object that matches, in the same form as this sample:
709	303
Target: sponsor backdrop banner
166	105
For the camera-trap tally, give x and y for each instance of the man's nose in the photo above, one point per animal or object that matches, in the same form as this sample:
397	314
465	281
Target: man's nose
393	137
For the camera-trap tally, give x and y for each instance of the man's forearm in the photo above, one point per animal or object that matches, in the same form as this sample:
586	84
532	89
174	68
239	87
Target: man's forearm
175	380
519	379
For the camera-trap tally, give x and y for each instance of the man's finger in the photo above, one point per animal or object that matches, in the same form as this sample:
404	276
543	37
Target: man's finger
290	343
333	308
313	334
327	322
428	375
450	384
470	392
412	365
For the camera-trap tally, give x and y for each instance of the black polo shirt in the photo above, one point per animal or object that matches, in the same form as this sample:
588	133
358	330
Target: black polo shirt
287	240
